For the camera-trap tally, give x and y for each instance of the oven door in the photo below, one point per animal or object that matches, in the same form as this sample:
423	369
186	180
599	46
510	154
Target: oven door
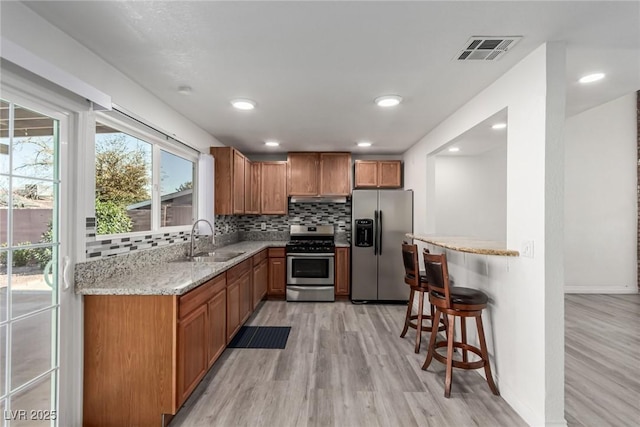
310	269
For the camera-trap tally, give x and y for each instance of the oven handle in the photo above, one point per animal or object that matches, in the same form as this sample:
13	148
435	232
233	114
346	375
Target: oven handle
320	255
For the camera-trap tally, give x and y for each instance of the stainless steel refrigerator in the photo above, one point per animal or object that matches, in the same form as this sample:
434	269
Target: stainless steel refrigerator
380	219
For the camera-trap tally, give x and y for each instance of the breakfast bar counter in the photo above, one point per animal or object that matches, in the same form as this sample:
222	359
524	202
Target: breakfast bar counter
466	244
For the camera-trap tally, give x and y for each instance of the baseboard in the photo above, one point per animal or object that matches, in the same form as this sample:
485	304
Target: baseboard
572	289
522	409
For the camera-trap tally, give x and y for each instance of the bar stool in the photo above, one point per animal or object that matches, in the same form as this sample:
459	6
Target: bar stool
455	302
417	283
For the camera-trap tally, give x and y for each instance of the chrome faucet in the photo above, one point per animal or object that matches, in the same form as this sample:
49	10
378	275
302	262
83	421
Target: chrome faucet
193	235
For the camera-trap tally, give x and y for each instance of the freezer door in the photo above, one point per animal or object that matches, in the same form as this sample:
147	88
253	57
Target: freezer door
364	266
395	220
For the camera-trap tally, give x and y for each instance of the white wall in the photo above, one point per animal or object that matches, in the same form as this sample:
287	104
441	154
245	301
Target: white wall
525	319
471	195
601	199
27	29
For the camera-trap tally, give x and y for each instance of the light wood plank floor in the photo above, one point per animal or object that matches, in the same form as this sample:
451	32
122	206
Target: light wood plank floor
344	365
602	360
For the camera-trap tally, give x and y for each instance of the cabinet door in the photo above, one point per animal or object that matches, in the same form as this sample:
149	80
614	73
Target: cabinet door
256	187
192	351
217	322
238	182
277	276
274	188
342	275
246	297
366	173
335	174
303	174
260	279
233	309
389	174
248	188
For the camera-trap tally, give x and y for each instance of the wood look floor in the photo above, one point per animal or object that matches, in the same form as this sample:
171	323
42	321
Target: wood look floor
602	360
345	365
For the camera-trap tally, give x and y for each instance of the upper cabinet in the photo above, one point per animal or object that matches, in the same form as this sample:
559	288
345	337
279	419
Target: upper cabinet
319	174
378	174
303	174
229	180
273	197
253	188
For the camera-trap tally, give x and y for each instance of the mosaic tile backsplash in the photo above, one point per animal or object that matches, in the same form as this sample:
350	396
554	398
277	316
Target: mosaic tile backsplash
230	229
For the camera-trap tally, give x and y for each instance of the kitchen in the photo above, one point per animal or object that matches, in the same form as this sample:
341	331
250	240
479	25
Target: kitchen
523	215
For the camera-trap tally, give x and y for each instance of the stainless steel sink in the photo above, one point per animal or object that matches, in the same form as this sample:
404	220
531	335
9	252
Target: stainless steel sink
217	256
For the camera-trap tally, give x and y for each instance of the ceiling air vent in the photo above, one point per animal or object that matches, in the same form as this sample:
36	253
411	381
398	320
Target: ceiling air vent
481	48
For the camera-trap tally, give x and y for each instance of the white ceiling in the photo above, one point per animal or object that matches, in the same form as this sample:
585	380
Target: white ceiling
314	68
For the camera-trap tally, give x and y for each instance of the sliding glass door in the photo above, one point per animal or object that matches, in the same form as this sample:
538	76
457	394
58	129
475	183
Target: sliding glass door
30	254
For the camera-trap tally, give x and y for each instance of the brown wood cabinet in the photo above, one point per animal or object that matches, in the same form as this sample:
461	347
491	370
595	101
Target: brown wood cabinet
192	351
239	296
302	174
335	174
378	174
260	277
273	194
229	179
319	174
342	271
255	188
277	272
217	313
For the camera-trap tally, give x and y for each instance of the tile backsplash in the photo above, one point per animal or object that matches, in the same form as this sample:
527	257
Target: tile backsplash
230	229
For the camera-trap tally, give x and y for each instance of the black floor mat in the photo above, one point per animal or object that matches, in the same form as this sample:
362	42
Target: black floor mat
261	337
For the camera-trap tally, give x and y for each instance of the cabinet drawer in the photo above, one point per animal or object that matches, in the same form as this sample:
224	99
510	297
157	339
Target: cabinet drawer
276	252
259	257
236	271
195	298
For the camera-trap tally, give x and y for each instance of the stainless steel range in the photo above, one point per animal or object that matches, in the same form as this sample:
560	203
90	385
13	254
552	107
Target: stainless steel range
310	263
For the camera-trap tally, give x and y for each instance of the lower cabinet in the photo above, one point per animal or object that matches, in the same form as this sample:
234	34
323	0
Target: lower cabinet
233	309
277	272
217	313
342	271
260	277
145	354
192	351
201	333
239	296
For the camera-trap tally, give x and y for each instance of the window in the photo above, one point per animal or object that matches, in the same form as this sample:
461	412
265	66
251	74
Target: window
141	184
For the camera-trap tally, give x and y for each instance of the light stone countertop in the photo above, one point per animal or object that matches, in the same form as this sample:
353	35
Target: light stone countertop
467	244
172	278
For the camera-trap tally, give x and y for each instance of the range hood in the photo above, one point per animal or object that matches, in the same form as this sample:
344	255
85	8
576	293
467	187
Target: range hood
318	199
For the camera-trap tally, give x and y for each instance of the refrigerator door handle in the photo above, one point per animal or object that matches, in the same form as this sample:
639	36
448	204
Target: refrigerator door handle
375	232
380	232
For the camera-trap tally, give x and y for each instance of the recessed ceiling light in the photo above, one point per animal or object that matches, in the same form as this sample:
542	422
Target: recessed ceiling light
454	149
184	90
499	126
243	104
388	100
271	143
364	144
590	78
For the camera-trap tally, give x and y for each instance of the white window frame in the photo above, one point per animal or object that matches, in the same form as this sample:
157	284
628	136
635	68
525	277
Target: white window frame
158	142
